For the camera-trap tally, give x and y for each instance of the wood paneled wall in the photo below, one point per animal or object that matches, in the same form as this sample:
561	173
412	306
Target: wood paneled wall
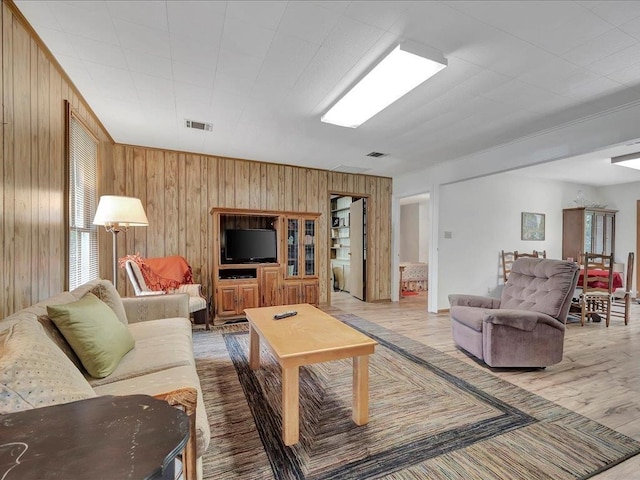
180	189
177	189
32	200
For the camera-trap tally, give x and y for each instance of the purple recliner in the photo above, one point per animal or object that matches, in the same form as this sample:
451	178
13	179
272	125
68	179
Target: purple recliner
525	327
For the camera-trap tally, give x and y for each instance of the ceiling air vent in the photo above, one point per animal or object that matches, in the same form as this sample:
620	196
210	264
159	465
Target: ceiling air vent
376	154
207	127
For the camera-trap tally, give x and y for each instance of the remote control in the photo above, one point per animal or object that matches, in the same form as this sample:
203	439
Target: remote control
278	316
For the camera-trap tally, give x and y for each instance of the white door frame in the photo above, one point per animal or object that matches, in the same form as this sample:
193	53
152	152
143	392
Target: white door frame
432	293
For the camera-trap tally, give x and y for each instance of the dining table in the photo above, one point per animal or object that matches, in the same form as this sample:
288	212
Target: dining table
604	274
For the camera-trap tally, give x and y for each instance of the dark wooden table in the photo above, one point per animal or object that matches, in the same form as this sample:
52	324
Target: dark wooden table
102	438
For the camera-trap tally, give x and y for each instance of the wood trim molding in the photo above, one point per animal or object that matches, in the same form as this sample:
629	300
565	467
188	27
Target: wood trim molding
260	213
73	113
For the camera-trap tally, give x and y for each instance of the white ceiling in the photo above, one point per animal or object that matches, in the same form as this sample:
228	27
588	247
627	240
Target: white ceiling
264	72
593	169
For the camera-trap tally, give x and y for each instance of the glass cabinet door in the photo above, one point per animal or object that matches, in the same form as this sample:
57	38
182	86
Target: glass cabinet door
598	232
293	253
309	247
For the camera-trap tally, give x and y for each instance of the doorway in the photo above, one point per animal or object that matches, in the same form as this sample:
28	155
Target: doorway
414	248
348	246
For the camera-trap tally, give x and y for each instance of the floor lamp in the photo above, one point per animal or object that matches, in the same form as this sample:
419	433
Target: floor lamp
117	214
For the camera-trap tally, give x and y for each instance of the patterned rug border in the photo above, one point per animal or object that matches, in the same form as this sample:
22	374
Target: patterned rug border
558	411
520	409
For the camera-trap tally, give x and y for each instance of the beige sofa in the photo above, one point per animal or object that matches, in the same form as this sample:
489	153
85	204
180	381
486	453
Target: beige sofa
161	362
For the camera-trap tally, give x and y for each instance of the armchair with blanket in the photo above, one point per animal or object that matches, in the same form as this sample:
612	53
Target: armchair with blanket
525	327
158	276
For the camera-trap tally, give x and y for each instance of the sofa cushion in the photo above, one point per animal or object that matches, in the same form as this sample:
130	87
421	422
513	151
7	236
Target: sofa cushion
105	291
152	353
34	372
94	332
161	327
56	335
142	309
163	382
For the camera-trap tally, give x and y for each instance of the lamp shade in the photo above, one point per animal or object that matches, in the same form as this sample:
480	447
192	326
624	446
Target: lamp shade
121	211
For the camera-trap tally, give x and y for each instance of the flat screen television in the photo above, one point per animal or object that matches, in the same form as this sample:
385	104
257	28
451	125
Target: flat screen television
250	246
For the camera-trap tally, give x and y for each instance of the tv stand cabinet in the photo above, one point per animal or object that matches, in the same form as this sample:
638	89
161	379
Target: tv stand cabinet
292	279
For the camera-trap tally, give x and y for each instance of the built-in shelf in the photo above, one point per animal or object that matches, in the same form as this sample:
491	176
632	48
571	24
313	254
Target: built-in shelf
292	279
340	238
237	273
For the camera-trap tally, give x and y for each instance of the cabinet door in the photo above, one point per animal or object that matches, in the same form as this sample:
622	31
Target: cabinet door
248	297
599	232
292	239
573	233
292	293
300	240
309	247
270	287
227	304
310	292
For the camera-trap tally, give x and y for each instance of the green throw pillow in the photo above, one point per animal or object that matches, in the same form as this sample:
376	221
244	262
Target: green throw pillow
94	332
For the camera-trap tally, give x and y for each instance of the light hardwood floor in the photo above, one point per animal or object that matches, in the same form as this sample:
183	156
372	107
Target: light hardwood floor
599	376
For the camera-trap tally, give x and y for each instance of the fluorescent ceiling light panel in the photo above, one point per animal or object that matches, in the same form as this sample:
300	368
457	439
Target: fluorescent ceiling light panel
631	160
398	73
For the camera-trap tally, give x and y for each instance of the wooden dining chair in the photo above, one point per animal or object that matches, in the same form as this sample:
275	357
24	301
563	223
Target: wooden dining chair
621	297
517	255
507	261
597	286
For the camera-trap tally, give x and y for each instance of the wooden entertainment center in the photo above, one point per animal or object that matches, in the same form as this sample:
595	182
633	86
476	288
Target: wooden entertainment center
292	278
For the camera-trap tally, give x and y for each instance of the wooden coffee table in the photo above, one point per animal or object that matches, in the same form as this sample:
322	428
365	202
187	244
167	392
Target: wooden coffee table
312	336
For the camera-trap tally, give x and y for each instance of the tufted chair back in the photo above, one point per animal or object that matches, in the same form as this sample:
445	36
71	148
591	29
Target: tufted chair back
540	285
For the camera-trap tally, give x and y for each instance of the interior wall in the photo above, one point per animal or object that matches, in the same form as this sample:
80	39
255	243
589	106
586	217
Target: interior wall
483	217
178	201
624	198
596	132
180	189
32	201
423	232
410	232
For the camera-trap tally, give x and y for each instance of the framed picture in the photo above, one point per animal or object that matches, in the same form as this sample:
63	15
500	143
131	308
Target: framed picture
335	221
532	226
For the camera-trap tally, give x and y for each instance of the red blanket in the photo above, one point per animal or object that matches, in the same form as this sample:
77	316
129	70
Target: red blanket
163	273
617	279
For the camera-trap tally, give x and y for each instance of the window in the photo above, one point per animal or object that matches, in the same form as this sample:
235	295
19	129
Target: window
83	235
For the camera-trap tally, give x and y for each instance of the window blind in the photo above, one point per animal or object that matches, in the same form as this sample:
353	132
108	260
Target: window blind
83	235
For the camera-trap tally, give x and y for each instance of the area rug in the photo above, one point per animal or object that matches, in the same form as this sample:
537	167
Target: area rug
431	417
